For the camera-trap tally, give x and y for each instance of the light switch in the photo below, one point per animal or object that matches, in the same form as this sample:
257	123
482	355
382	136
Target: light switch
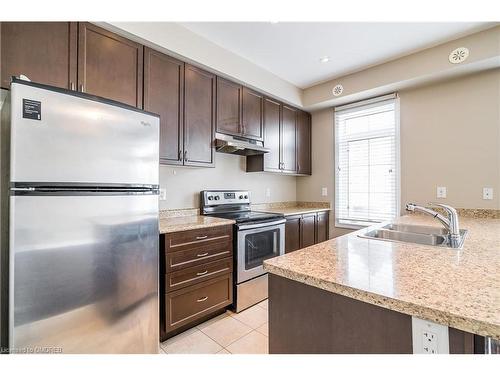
441	192
324	192
163	194
487	193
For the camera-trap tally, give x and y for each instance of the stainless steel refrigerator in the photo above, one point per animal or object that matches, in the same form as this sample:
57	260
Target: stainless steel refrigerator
82	247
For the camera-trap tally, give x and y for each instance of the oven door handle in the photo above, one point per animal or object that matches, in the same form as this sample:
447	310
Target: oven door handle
261	225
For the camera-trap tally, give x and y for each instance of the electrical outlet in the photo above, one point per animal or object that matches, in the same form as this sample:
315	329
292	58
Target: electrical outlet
163	194
429	337
268	193
324	192
429	342
441	192
487	193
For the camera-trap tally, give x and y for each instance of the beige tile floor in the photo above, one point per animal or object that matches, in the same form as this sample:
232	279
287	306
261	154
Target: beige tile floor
228	333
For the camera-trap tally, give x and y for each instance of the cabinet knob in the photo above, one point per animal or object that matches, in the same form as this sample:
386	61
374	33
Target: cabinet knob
82	88
179	157
185	155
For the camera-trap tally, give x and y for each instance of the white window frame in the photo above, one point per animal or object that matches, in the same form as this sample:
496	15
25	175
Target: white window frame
395	97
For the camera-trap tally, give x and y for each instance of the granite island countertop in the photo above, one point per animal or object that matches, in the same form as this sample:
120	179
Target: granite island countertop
182	223
457	288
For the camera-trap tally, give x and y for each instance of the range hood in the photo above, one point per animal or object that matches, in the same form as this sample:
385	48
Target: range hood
238	145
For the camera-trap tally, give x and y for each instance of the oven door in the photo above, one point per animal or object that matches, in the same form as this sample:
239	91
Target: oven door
256	243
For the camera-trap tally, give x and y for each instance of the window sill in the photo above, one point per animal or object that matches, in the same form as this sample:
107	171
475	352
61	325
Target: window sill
351	226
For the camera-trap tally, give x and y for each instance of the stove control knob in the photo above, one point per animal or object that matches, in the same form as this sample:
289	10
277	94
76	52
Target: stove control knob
246	196
210	197
216	197
241	196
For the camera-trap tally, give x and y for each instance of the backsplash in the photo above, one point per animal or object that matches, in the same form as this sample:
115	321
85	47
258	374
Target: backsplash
183	184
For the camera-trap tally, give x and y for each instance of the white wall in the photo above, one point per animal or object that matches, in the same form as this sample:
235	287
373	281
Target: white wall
183	184
450	136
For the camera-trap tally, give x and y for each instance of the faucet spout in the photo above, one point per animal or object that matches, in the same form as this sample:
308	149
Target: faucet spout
450	222
415	208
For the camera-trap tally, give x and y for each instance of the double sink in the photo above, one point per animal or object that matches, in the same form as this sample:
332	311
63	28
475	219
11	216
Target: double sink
417	234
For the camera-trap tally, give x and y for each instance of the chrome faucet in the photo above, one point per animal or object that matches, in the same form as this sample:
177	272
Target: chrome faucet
450	222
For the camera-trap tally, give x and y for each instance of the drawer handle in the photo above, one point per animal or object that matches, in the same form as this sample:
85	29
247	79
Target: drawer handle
202	255
202	273
201	237
203	299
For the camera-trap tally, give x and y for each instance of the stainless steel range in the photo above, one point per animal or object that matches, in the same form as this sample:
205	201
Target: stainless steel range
257	236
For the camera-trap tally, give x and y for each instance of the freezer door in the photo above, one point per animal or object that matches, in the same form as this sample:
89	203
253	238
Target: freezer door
78	140
84	274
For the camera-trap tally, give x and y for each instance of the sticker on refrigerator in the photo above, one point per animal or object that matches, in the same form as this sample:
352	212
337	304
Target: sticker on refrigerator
32	109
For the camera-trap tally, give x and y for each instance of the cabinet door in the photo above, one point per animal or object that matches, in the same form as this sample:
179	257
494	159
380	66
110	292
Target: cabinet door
228	107
322	228
109	65
199	117
308	230
163	94
303	143
45	52
292	233
252	114
288	140
272	119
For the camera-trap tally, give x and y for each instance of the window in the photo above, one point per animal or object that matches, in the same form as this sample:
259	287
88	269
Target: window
367	162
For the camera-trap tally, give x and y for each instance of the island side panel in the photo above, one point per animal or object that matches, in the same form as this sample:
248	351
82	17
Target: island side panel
308	320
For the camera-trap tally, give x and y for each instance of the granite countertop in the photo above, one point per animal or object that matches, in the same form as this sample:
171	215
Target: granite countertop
289	211
181	223
457	288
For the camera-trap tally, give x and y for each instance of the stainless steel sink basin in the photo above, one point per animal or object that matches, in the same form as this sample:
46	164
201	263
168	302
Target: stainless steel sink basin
422	235
416	229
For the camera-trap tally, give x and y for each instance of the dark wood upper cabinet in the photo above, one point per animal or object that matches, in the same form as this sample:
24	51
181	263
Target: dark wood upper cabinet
292	233
199	116
164	95
303	143
288	140
109	65
252	119
45	52
272	137
229	111
308	230
270	161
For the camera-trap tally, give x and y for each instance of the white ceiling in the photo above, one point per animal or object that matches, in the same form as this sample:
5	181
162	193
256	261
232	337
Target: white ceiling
292	50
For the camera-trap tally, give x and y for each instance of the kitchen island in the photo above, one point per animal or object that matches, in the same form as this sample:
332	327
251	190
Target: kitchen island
365	292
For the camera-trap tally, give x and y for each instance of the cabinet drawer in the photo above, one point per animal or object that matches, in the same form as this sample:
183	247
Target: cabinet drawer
198	237
191	303
193	275
204	253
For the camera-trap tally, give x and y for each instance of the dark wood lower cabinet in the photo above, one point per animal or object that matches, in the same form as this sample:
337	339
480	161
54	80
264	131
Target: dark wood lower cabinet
305	230
322	226
196	277
292	233
189	304
308	230
328	323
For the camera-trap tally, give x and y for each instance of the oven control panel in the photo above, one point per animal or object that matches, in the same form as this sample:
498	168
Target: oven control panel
220	197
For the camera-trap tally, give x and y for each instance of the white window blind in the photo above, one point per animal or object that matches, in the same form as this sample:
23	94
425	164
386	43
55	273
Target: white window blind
367	162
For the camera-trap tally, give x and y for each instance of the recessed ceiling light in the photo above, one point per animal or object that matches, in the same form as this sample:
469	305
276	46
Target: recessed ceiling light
324	59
